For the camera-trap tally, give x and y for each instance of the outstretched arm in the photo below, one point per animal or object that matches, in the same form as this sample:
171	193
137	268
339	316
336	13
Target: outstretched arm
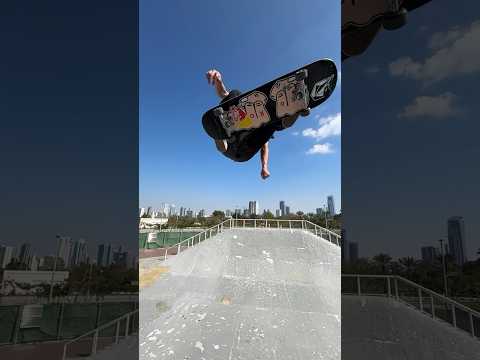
215	78
264	159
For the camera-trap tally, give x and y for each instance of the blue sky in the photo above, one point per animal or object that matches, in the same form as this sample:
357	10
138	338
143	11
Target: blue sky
250	42
410	133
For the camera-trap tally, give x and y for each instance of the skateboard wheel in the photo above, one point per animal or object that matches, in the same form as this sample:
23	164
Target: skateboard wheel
395	20
301	75
218	112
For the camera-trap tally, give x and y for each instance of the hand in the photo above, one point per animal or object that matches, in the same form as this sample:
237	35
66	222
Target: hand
265	173
214	77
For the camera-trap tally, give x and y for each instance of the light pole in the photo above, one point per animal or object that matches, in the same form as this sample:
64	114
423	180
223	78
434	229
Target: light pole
444	269
50	295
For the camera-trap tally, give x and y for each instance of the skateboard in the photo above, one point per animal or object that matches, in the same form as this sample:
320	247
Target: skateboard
363	19
266	105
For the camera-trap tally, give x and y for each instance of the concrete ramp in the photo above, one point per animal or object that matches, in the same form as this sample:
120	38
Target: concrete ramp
378	328
245	294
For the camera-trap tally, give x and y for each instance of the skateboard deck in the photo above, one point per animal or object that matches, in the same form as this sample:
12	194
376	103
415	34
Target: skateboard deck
306	87
363	19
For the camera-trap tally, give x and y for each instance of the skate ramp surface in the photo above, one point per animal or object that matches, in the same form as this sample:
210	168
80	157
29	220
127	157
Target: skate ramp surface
377	328
245	294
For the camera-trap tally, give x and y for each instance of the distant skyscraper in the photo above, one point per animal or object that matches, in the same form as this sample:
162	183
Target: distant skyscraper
149	211
141	212
282	208
253	208
120	258
331	205
429	254
6	254
277	212
182	211
201	213
78	255
104	255
319	211
64	249
25	253
172	211
456	239
287	210
353	251
228	213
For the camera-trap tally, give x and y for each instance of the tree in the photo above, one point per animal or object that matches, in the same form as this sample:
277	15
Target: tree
382	260
218	214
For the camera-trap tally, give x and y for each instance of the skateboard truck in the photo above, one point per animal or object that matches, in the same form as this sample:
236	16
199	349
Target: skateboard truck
222	116
301	91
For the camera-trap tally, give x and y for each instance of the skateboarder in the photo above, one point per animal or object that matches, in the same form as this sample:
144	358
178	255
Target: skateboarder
234	150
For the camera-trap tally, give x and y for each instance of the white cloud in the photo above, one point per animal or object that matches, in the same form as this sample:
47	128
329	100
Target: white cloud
431	106
328	126
295	133
455	52
320	149
372	69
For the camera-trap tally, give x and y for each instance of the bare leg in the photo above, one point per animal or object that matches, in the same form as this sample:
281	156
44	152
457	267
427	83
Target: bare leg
264	159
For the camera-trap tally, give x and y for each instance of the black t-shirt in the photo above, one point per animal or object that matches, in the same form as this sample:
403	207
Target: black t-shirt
243	145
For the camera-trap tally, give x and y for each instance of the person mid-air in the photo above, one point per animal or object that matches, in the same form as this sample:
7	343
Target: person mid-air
242	150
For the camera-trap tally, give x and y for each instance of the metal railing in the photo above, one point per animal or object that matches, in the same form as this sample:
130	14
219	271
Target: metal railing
253	223
94	335
428	302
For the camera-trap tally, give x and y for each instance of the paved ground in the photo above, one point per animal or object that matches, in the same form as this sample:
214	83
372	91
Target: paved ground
244	294
378	328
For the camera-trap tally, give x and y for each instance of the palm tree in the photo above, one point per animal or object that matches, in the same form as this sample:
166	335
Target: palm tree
383	260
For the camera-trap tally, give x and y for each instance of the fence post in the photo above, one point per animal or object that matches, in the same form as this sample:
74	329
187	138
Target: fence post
290	224
329	236
94	343
278	224
166	251
472	328
254	223
117	332
358	286
178	250
389	292
433	306
127	325
420	299
303	225
454	316
316	230
266	221
396	288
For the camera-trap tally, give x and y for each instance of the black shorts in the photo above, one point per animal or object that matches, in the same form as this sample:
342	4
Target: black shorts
245	144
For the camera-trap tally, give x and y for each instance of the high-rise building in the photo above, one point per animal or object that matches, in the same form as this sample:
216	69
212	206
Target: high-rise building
104	255
456	239
282	208
331	205
319	211
429	254
201	213
238	212
287	210
141	212
182	211
25	253
353	251
120	258
245	212
6	255
189	213
149	211
172	211
228	213
253	208
78	255
277	212
64	249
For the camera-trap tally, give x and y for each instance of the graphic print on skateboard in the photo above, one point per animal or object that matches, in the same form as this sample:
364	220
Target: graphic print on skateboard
266	105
